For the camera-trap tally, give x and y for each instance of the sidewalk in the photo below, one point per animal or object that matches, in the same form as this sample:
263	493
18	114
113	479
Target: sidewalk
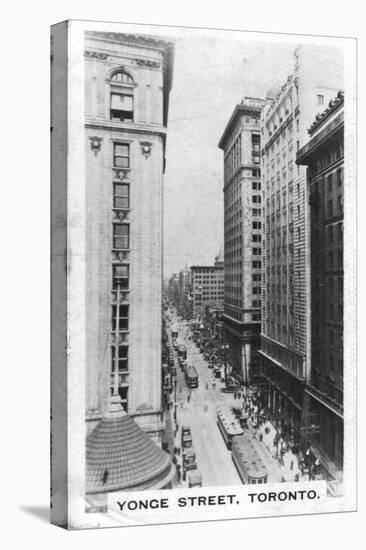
286	469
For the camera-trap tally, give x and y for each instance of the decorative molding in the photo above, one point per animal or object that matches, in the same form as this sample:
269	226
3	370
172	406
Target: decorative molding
95	144
95	55
146	147
148	64
121	174
136	128
121	257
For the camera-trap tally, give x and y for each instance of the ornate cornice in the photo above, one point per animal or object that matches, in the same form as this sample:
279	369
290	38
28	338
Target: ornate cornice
148	64
95	55
127	128
139	40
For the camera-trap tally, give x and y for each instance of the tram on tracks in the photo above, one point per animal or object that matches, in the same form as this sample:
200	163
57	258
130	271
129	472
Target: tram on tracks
247	461
229	426
191	376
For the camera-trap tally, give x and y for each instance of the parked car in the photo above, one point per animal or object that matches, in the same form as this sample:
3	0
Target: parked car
194	478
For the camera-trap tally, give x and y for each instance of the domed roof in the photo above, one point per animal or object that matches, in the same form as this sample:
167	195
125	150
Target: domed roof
120	455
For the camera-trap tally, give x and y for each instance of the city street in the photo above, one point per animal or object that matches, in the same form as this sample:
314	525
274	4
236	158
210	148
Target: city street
197	409
212	457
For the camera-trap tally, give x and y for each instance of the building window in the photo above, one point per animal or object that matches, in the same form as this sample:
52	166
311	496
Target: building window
122	107
123	317
122	358
330	234
330	183
121	155
120	276
330	208
121	236
121	77
121	195
320	99
339	177
340	203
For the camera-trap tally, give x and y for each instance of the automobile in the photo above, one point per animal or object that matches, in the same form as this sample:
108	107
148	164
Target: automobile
194	478
210	364
186	441
186	430
189	459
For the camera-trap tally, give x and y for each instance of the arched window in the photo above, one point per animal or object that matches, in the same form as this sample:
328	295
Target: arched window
121	105
122	78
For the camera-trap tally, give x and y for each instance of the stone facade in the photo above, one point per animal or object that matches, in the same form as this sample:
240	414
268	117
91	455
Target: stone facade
127	83
285	340
207	288
242	236
324	156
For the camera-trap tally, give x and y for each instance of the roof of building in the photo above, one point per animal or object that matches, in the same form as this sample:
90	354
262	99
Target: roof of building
147	41
120	455
321	118
326	125
247	106
214	267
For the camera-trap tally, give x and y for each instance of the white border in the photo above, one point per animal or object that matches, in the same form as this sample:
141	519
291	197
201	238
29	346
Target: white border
76	302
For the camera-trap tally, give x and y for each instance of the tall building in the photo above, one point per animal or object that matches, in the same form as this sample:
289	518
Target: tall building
207	283
241	143
285	340
127	82
324	157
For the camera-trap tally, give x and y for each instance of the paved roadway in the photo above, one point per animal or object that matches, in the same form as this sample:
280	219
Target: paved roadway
213	458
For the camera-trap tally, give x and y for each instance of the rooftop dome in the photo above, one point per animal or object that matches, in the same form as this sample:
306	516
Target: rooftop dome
121	456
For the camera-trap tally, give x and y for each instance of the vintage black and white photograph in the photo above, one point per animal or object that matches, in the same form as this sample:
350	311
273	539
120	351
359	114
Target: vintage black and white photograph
215	190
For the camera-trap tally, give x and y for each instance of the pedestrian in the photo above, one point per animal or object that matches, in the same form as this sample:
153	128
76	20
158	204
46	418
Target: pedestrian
234	394
239	395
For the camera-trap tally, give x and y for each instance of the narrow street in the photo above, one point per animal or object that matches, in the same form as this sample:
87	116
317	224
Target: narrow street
197	408
212	457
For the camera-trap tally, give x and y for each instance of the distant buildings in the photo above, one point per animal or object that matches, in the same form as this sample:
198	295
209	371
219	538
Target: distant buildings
127	82
207	287
241	144
323	154
286	338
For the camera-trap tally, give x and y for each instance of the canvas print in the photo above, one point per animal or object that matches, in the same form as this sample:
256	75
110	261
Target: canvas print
208	218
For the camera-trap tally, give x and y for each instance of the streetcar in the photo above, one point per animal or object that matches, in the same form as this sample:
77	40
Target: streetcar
228	425
247	461
191	376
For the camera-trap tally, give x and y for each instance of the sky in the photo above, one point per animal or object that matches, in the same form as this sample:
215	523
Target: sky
213	71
